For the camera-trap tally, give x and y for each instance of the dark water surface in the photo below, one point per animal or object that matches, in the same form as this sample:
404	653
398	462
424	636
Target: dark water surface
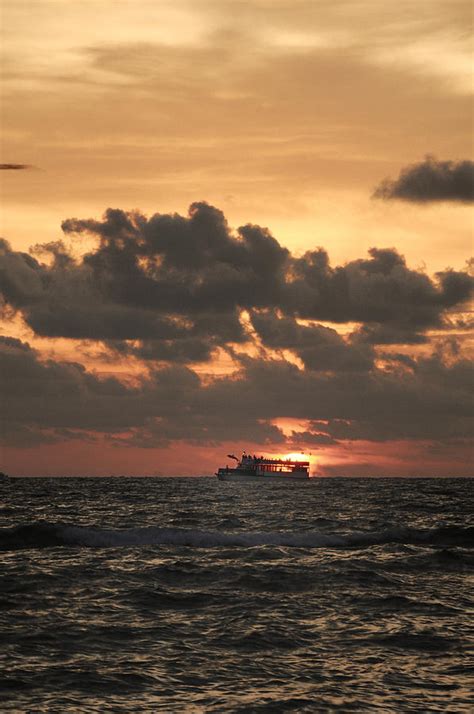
187	595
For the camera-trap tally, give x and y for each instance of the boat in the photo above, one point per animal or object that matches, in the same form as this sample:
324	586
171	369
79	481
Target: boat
262	469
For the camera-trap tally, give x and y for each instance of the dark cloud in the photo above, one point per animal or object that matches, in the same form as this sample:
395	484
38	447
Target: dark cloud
374	334
47	401
15	167
21	282
65	299
183	349
320	348
431	180
302	440
379	290
183	265
52	401
179	285
429	399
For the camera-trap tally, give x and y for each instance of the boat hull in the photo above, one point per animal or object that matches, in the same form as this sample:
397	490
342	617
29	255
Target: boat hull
252	478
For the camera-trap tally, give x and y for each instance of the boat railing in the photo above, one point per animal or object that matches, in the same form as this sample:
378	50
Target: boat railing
274	462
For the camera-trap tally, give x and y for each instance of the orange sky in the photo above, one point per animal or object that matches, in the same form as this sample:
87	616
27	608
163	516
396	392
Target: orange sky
281	114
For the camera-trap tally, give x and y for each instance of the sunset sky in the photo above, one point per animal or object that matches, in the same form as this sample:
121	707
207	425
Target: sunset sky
235	225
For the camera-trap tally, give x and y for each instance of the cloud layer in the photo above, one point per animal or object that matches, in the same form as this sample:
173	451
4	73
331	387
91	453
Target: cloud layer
177	285
169	290
47	401
430	181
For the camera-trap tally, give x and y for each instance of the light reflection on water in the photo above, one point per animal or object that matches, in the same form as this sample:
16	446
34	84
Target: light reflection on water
190	595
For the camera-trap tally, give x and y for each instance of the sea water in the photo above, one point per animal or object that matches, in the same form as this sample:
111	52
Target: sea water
191	595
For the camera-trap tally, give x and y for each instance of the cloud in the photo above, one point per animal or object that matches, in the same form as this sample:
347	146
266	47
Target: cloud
387	335
430	181
44	401
185	265
54	401
15	167
21	277
179	284
319	348
311	438
429	400
381	290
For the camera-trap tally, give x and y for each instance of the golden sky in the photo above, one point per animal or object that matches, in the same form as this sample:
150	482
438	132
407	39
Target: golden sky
286	115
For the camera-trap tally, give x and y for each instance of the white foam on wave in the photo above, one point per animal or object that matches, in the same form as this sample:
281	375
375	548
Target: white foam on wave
46	535
211	539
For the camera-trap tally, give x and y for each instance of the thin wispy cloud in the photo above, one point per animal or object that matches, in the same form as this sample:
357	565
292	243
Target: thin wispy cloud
15	167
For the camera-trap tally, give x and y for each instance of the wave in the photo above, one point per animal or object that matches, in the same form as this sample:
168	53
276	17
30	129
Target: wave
49	535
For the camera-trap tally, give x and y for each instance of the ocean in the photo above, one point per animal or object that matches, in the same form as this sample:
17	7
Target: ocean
191	595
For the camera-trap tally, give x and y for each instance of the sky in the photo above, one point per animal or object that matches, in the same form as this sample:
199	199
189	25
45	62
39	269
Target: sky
234	226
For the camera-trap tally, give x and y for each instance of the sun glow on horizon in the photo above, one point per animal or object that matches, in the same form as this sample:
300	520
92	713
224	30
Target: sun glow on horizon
297	456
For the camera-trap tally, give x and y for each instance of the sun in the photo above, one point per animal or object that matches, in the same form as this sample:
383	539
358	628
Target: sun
296	456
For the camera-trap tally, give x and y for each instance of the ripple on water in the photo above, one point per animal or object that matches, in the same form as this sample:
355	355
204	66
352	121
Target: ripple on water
179	595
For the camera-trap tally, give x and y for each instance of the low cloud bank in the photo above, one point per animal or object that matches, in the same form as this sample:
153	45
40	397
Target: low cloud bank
48	401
